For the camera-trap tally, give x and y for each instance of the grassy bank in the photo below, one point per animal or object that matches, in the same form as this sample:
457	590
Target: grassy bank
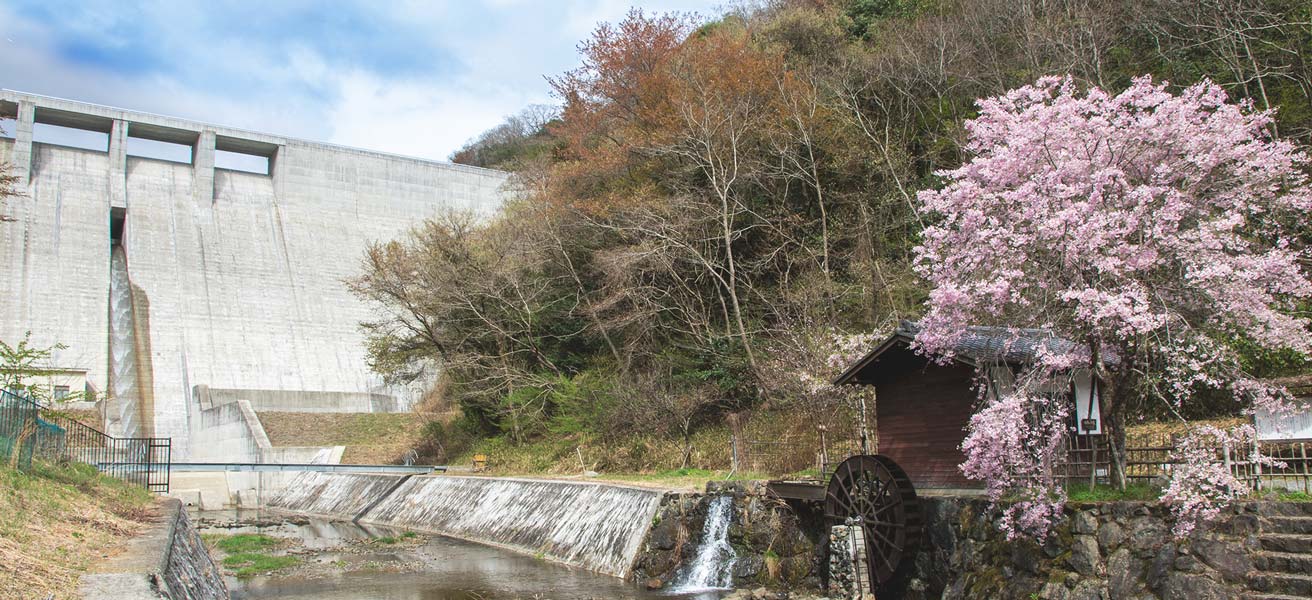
579	452
370	438
56	521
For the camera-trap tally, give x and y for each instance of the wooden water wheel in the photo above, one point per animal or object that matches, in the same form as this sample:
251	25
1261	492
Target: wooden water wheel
874	492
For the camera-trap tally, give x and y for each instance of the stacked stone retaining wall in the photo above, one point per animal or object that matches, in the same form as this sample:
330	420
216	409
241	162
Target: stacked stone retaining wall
168	561
775	544
1100	551
1116	550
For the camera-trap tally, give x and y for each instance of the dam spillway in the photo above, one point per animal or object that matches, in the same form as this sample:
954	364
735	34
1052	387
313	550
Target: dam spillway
596	526
123	418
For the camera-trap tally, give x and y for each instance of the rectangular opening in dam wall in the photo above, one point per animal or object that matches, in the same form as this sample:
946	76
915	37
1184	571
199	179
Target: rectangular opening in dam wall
149	140
71	137
155	149
117	217
248	156
236	161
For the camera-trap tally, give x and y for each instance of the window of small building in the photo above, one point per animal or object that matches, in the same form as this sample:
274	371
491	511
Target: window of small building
61	393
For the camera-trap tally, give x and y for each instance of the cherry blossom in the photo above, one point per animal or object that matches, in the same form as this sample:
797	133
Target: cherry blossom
1153	229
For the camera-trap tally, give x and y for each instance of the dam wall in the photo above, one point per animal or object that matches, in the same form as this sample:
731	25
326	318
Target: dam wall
596	526
230	433
301	401
237	274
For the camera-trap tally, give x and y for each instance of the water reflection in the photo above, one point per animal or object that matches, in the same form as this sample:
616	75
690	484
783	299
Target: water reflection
439	569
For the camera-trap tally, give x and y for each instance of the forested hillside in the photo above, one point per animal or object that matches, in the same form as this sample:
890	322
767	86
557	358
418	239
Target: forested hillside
720	202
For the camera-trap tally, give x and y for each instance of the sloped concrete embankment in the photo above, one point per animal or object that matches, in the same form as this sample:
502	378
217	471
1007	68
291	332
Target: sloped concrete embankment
598	527
168	561
335	495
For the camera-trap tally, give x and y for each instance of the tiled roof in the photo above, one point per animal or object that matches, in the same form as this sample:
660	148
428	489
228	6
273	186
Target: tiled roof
1000	344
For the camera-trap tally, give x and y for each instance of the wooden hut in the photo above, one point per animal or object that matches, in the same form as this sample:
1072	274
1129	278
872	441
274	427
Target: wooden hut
922	407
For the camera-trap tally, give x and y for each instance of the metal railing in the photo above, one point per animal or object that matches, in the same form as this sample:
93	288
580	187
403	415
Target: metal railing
1088	461
30	430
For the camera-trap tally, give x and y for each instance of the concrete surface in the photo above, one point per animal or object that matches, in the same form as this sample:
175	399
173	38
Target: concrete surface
237	276
301	401
599	527
167	561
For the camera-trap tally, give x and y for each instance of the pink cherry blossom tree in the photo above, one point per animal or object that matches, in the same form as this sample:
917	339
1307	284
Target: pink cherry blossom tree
1156	230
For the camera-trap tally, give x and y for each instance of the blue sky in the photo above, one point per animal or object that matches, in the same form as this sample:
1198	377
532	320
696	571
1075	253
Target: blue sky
410	77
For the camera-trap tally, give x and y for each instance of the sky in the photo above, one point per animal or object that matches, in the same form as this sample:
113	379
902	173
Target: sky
410	77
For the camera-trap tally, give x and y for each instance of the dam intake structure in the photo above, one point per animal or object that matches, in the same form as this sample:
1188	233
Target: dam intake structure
599	527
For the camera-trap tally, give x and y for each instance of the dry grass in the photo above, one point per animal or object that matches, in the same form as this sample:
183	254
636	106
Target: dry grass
55	521
87	416
1154	434
370	438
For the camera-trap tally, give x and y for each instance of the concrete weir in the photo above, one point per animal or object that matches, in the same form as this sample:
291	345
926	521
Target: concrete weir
335	495
596	526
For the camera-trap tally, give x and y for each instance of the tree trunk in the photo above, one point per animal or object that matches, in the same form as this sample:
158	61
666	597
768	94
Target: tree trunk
726	219
1109	396
687	449
1116	442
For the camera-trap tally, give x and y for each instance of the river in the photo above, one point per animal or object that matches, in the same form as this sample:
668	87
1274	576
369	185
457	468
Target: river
345	561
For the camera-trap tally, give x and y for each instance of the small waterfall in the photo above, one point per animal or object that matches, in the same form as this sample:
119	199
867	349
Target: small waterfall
122	348
712	568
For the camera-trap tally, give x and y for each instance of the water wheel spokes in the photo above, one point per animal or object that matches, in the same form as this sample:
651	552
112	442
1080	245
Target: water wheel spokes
874	492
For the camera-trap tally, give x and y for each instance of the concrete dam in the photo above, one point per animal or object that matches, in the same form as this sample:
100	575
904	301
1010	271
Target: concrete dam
186	266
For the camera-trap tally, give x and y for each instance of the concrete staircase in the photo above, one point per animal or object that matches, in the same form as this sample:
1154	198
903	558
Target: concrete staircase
1284	565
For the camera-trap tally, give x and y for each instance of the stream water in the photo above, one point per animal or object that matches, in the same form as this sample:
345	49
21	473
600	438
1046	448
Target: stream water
345	561
122	348
712	567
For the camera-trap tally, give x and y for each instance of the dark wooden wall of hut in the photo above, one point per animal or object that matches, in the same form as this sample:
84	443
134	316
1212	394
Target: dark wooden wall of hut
921	414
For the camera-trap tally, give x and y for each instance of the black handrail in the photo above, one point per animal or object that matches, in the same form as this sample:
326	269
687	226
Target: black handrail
34	430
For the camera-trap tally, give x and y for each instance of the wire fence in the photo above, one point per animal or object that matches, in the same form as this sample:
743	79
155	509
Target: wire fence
29	430
832	434
798	456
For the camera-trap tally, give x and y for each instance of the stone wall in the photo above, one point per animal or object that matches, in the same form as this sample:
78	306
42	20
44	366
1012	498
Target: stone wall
1118	550
770	538
1114	550
167	561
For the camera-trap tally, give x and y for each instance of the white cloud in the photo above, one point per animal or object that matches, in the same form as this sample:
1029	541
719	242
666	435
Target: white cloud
413	118
490	59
